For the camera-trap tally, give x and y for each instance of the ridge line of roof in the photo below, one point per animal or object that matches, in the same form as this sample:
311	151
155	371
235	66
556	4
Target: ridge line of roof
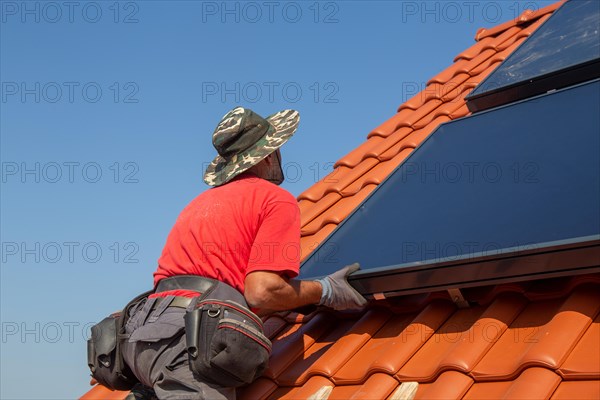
526	16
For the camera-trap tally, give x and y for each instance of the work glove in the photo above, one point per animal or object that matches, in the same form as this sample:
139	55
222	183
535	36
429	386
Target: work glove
337	292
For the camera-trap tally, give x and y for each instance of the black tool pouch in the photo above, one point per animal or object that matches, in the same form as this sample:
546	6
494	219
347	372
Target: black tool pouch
104	350
226	343
104	355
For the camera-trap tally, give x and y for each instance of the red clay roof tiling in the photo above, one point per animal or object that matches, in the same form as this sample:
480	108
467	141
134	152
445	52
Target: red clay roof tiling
531	340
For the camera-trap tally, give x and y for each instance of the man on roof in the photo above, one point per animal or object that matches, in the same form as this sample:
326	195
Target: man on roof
244	233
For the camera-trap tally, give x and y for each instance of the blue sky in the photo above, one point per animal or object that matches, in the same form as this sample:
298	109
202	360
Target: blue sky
107	110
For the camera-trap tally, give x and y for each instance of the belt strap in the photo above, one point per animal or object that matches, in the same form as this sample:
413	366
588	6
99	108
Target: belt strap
186	282
206	287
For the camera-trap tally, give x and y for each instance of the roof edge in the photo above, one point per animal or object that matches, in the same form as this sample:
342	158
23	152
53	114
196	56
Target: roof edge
525	17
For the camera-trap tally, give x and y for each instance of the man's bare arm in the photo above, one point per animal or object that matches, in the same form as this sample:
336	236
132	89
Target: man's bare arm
269	292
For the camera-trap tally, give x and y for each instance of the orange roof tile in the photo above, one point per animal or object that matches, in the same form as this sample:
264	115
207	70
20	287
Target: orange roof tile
537	340
99	392
582	390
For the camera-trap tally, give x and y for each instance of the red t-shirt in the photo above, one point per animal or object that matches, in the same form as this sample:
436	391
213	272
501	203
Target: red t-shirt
248	224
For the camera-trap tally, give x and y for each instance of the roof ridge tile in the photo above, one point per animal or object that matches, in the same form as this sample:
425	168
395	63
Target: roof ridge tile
318	190
339	211
378	173
492	43
318	208
355	156
525	17
347	176
471	52
308	243
389	126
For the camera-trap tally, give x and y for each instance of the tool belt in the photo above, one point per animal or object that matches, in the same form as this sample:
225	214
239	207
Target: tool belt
104	350
225	340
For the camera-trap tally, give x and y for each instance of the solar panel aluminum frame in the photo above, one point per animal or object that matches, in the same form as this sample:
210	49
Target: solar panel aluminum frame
575	256
547	260
537	85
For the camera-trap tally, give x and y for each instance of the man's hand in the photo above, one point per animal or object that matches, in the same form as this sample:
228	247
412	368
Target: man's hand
337	292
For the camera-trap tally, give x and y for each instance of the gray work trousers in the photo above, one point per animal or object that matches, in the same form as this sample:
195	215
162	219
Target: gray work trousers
156	353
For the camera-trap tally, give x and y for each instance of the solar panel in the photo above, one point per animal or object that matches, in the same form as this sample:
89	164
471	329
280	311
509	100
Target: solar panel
565	50
519	179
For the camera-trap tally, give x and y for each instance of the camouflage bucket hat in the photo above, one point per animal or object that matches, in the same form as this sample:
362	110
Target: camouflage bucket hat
244	138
